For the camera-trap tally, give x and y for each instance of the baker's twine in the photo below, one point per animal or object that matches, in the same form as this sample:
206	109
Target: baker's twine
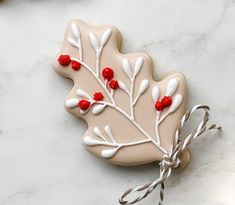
171	159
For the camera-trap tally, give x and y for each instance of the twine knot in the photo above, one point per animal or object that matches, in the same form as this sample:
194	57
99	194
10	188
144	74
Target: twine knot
171	159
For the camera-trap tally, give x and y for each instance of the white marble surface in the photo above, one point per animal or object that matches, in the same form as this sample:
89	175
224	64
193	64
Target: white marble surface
41	159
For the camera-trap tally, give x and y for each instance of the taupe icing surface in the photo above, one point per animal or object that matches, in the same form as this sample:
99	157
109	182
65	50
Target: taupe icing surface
144	111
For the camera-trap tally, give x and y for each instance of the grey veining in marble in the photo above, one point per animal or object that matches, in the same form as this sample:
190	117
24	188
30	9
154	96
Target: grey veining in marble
41	159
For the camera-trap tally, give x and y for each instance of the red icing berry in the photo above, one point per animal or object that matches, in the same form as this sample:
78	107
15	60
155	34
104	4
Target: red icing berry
64	60
84	104
166	101
107	73
76	65
98	96
159	105
113	84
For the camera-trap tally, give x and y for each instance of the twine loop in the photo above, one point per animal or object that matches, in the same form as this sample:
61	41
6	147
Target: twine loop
171	159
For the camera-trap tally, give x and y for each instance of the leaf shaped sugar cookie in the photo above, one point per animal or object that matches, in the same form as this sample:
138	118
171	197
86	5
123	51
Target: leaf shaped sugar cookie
131	118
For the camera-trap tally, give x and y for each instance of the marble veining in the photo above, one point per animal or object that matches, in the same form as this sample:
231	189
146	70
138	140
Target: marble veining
42	161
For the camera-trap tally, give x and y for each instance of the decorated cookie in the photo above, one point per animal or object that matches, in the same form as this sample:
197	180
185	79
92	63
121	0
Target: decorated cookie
131	118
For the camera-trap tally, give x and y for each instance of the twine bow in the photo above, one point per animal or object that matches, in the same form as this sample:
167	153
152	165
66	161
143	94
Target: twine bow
171	159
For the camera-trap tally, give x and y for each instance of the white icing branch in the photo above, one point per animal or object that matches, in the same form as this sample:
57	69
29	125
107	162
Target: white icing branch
98	46
108	153
76	40
174	106
133	122
171	89
95	76
99	106
126	66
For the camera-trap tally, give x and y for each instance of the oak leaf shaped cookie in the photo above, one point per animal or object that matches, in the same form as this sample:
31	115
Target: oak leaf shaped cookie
131	118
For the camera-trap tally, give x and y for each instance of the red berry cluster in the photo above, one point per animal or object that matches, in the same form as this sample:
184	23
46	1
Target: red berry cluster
85	104
107	74
65	60
165	102
98	96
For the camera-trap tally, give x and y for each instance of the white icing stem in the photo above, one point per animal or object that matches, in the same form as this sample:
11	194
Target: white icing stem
103	138
163	117
80	49
135	124
105	83
122	144
131	98
98	54
104	143
94	74
157	127
109	153
136	99
134	143
112	92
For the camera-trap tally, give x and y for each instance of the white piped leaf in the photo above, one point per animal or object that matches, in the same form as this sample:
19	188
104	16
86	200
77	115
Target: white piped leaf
72	42
98	109
108	131
143	86
105	36
176	103
138	65
83	94
155	93
123	86
108	153
94	41
127	67
172	86
75	30
97	132
71	103
89	141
